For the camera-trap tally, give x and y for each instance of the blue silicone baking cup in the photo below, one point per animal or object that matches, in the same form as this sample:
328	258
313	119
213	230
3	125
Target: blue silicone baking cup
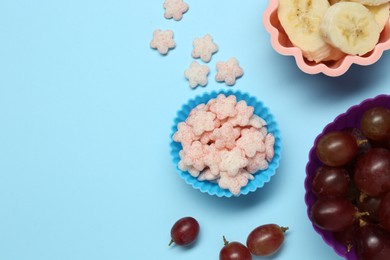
260	177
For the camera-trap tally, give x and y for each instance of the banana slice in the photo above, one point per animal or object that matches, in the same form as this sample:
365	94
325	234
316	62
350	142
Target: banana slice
381	14
371	2
350	27
301	21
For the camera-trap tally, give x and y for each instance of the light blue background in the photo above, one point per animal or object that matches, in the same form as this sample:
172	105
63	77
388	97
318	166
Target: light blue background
86	109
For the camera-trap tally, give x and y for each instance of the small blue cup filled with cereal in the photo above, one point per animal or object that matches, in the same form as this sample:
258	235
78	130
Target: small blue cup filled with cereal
225	143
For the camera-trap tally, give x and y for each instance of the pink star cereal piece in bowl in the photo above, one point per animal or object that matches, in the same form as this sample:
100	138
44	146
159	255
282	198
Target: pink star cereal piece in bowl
162	41
334	67
175	9
206	150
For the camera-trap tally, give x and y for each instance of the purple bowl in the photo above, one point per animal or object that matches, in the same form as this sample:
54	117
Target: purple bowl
351	118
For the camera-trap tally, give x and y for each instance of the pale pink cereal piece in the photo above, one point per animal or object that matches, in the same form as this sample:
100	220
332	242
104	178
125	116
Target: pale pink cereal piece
184	134
257	163
251	142
212	158
175	9
202	121
225	136
188	168
224	106
269	146
194	156
256	121
205	138
244	114
162	41
233	161
233	183
204	48
228	71
264	131
207	175
200	107
196	74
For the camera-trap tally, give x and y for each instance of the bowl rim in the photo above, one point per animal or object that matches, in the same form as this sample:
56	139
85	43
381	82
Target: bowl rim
308	196
270	171
320	67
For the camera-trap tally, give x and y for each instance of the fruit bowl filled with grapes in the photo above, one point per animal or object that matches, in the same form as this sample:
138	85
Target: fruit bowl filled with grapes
348	182
328	36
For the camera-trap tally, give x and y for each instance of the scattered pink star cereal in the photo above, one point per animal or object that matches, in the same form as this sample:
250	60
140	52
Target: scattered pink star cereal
251	142
162	41
232	161
215	149
228	71
196	74
204	48
224	106
233	183
244	113
175	9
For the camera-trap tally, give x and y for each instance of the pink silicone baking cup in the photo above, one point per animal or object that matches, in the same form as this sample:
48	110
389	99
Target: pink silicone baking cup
283	45
351	118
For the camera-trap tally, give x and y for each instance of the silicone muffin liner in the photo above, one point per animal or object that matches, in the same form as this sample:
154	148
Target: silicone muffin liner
260	177
351	118
283	45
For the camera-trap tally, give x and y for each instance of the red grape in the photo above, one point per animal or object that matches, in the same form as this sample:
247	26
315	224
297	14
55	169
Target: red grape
184	231
375	123
336	148
371	242
234	251
330	181
266	239
384	211
372	172
333	214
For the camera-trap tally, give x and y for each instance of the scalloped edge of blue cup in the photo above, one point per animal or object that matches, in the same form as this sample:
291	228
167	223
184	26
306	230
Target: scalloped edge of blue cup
260	177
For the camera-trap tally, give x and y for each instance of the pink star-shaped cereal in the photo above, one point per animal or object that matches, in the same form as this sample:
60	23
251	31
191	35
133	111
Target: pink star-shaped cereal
228	71
233	183
257	163
162	41
201	121
269	146
232	161
256	121
224	106
204	48
226	136
212	158
187	168
175	9
196	74
184	134
193	155
251	142
244	113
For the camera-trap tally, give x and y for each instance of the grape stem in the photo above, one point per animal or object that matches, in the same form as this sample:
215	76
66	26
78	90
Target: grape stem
225	242
284	229
170	243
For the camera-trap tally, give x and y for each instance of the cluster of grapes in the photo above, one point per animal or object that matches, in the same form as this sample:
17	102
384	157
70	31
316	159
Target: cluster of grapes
352	186
265	240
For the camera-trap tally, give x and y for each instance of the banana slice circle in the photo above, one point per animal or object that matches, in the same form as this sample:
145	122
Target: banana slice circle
350	27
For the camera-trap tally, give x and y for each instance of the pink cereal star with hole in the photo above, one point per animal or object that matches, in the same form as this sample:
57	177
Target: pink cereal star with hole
196	74
244	113
184	134
175	9
204	48
257	163
194	156
162	41
228	71
269	146
202	121
250	142
212	158
233	183
226	136
232	161
224	106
